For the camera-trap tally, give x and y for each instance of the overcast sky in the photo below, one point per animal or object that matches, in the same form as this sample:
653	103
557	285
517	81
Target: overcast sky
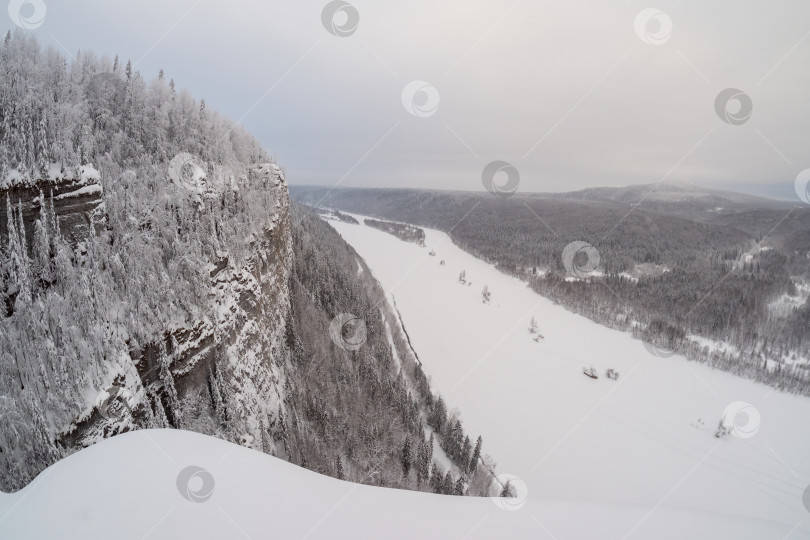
572	93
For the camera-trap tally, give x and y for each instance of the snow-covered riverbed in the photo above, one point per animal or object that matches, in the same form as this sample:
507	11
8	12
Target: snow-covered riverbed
638	440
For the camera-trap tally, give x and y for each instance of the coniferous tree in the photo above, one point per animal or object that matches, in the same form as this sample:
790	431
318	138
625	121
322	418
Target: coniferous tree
19	267
438	415
167	382
43	445
216	398
448	484
266	445
339	472
466	451
42	243
43	149
459	487
436	479
476	456
422	463
160	419
406	458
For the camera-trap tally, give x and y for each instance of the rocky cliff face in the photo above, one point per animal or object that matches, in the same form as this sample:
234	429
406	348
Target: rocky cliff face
213	312
149	289
222	374
74	202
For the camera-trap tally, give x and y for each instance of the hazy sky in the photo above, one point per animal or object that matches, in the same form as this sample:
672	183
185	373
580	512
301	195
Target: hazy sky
572	93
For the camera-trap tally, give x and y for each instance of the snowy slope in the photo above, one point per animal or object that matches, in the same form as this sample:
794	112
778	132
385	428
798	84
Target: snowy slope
139	486
635	441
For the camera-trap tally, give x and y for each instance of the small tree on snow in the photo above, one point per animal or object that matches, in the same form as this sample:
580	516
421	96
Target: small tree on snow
722	429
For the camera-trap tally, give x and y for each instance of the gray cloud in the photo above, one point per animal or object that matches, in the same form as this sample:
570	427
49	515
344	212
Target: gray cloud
571	80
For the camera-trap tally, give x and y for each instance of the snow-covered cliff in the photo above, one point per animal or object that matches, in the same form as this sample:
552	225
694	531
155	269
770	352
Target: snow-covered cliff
231	355
171	284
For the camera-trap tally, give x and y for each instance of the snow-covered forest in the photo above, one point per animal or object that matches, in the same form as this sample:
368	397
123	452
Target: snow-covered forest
372	408
726	290
403	231
152	276
80	314
70	112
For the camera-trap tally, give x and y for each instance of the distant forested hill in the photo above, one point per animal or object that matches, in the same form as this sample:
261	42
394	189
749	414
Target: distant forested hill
735	296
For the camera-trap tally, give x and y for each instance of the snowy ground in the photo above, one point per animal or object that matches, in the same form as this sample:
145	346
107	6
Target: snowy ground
592	442
601	459
141	485
785	304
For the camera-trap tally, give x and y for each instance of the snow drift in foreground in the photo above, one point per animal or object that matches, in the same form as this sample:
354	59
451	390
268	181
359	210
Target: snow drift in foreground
157	484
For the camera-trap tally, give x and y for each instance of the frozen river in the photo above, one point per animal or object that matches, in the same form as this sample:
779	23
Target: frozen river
646	439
